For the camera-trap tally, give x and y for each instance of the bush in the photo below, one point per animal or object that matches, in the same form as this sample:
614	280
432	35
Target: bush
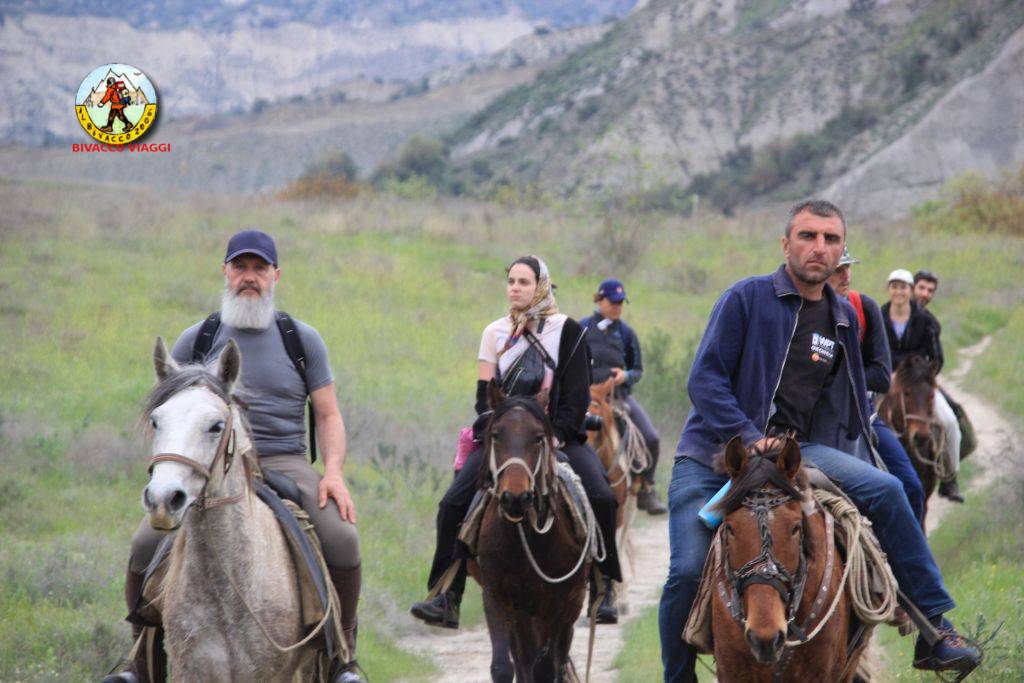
972	203
420	158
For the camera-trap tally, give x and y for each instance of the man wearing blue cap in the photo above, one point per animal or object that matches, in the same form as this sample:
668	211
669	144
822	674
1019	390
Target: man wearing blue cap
285	365
615	352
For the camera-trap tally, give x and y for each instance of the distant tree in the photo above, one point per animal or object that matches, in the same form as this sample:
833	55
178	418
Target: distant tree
337	164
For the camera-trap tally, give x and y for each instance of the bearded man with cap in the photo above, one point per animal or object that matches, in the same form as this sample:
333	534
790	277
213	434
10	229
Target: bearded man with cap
276	396
874	347
913	331
615	352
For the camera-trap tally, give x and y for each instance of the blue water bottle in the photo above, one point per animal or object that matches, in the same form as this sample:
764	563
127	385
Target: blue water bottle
712	518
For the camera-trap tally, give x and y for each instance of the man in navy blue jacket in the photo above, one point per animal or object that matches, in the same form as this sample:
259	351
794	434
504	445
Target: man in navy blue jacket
781	354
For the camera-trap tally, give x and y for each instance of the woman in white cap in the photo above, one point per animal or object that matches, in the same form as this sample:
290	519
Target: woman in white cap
533	319
911	331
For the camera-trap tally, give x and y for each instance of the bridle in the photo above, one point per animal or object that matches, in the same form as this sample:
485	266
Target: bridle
932	423
539	473
766	568
225	454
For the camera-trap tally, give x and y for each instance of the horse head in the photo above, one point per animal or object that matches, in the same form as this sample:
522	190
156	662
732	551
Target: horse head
909	407
190	422
763	539
519	447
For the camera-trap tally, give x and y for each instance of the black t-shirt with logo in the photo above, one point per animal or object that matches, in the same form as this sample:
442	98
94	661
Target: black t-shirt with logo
809	362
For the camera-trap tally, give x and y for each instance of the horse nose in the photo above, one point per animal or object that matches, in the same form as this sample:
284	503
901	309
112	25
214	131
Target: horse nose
766	650
147	501
174	500
516	503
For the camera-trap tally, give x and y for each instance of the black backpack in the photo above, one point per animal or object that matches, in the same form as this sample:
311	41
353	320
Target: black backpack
292	344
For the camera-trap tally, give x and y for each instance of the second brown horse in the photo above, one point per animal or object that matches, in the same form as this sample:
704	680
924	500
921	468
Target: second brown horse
530	562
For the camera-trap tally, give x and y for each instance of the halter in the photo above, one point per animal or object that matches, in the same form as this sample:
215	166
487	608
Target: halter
766	568
225	452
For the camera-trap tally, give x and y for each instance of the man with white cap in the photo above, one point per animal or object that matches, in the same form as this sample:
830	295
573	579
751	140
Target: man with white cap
912	332
874	347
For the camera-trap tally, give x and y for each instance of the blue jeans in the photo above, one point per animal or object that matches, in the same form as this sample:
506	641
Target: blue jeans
899	465
878	495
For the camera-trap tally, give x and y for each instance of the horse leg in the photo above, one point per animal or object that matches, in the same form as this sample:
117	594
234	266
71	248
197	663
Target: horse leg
497	628
547	665
524	651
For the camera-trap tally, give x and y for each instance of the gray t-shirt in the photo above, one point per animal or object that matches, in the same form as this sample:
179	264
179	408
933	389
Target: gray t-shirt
273	388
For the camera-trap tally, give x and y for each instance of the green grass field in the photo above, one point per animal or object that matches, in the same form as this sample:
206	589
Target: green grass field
400	291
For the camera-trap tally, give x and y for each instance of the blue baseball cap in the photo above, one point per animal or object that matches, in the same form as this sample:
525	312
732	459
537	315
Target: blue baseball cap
613	291
252	242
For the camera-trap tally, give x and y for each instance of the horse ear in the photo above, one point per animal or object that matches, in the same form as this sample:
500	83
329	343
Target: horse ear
495	396
229	364
543	397
933	367
735	456
162	361
790	458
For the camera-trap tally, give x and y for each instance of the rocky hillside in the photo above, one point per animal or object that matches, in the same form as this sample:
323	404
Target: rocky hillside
745	100
218	57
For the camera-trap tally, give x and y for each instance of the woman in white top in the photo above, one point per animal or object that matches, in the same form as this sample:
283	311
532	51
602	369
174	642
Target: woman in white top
563	367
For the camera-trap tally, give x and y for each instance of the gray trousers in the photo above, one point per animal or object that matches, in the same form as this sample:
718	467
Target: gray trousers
340	539
650	434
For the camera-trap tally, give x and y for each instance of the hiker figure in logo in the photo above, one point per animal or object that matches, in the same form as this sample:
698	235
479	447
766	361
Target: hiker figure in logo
118	98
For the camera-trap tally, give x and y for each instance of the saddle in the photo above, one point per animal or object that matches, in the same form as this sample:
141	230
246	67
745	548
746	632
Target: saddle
316	592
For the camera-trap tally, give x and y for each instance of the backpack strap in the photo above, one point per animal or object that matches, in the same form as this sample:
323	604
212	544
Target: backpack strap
293	345
204	339
858	306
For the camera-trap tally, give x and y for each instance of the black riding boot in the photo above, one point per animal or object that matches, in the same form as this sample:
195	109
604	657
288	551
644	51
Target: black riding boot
607	611
137	670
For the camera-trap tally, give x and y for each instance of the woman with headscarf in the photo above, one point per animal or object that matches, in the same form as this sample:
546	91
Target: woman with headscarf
565	373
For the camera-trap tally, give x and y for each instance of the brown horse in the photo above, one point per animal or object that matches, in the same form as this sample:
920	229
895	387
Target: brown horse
530	562
909	409
607	443
779	577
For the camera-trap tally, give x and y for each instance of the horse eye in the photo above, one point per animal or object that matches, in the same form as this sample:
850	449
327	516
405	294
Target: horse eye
217	428
796	529
728	529
152	422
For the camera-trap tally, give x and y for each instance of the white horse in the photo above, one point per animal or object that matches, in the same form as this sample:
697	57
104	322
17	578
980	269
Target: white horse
229	602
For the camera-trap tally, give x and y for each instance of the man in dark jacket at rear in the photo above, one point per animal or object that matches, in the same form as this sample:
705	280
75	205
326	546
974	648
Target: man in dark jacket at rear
781	354
615	352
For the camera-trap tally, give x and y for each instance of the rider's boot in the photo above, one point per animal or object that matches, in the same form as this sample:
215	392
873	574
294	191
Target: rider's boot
441	611
951	490
952	653
648	500
347	584
607	611
137	670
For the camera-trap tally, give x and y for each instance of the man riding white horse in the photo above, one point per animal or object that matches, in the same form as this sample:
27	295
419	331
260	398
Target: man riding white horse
278	386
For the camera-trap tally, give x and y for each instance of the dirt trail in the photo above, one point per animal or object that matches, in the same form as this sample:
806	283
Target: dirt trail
465	656
994	433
